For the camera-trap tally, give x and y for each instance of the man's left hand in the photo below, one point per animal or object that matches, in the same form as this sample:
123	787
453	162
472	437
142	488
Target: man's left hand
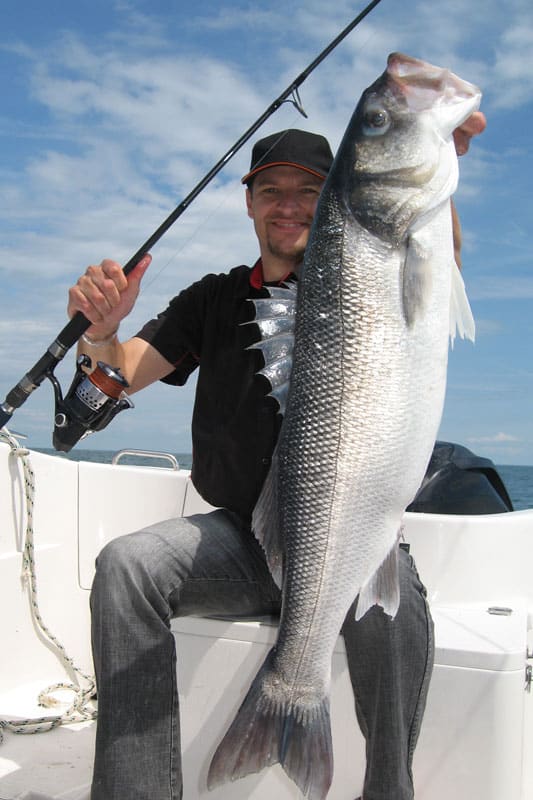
473	126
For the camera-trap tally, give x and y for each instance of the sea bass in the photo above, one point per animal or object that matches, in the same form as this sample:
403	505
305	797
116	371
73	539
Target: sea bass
379	295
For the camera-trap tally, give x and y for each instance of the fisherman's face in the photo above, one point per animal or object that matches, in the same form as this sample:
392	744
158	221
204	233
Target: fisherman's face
282	204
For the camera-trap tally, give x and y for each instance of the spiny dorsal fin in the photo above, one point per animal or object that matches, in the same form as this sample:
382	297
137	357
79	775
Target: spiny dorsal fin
275	317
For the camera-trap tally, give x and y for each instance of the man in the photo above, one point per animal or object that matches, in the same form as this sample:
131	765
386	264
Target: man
211	563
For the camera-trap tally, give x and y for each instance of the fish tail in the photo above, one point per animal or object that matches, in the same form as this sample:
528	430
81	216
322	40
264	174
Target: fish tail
271	727
307	751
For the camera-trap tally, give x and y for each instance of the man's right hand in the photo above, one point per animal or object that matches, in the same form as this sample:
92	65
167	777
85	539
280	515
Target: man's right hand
105	295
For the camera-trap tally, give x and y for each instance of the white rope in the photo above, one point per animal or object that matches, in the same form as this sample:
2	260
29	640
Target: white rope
85	687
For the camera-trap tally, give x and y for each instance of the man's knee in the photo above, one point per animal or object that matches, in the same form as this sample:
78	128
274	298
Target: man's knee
124	567
118	556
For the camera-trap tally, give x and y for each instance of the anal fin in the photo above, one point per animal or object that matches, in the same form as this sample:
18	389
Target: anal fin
383	588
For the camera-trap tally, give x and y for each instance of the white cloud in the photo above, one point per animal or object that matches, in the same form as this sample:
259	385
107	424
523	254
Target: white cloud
501	287
488	327
121	125
497	438
513	65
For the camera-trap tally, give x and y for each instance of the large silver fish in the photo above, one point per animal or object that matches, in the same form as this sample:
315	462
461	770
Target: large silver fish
378	298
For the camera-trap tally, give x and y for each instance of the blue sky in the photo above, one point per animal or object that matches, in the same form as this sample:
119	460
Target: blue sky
112	111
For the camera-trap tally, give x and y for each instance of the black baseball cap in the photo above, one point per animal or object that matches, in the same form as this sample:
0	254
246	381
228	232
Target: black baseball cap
291	148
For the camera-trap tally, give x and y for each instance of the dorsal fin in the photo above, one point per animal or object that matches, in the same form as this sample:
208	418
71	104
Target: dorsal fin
461	317
275	317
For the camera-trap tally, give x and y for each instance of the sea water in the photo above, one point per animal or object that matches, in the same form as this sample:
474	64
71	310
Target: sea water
517	479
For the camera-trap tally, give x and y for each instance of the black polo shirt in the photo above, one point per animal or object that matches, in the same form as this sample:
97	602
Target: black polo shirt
235	424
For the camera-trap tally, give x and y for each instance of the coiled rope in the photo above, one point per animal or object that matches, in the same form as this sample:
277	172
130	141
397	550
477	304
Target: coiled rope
84	687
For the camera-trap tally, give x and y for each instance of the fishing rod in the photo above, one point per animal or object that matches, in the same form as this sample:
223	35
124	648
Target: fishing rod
92	401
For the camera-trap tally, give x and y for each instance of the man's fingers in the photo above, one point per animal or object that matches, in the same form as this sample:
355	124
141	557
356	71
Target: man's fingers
137	273
104	288
473	126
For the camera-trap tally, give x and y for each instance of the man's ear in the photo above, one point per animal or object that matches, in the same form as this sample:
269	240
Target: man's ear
249	203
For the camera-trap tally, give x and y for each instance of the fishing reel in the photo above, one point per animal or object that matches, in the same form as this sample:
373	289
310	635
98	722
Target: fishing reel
90	404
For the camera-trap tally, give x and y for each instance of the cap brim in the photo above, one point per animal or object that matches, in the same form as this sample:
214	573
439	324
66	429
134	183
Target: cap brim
254	172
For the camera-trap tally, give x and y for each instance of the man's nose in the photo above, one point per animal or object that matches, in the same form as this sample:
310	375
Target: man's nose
288	201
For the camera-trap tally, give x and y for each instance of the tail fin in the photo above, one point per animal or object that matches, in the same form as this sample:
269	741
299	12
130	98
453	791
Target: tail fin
273	727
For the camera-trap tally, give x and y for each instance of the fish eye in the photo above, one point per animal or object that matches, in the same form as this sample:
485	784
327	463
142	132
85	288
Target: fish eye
376	121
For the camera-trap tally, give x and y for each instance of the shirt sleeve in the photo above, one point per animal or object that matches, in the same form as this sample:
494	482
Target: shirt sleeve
176	333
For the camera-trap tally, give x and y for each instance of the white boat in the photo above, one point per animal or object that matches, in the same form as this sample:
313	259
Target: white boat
478	728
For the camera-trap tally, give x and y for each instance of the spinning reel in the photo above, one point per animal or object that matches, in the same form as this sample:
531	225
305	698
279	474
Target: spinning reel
91	402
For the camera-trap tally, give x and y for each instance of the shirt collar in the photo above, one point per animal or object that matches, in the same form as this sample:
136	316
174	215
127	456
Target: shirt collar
257	280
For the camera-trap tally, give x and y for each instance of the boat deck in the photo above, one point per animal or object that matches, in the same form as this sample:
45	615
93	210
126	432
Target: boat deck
476	738
475	716
55	764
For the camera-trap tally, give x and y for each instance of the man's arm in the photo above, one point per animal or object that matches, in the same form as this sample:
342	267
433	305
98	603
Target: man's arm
105	296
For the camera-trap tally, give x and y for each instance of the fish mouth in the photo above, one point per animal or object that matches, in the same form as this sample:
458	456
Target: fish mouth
416	175
419	81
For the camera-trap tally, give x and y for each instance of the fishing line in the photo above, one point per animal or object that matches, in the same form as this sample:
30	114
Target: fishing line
232	190
74	329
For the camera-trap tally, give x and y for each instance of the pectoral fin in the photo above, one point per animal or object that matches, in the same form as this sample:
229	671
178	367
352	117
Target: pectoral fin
416	286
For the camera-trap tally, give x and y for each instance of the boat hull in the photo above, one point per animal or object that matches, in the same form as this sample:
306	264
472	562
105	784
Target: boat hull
478	719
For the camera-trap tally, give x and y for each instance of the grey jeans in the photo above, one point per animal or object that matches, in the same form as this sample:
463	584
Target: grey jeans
211	564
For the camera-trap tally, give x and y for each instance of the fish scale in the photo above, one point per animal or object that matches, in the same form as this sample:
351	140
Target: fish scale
378	297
